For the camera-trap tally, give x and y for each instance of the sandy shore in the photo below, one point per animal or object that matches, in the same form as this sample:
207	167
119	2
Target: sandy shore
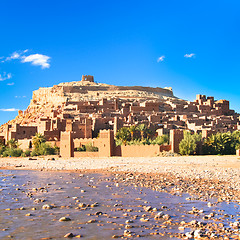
228	166
213	179
215	175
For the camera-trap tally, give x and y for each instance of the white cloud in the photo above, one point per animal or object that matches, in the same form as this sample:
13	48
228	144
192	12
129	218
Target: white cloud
37	59
190	55
10	84
20	96
14	55
160	59
9	109
5	76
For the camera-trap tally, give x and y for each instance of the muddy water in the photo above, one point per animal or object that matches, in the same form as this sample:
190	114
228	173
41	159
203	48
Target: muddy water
96	206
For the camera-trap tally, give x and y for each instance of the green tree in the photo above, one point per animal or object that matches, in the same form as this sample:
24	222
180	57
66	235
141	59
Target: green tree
13	152
12	143
188	145
149	132
142	129
38	139
236	139
27	153
132	130
221	143
46	149
123	135
2	149
160	140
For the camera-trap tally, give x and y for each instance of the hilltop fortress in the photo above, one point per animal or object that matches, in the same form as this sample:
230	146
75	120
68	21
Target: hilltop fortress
81	109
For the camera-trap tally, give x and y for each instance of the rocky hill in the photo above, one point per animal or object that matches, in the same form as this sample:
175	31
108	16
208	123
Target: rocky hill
46	100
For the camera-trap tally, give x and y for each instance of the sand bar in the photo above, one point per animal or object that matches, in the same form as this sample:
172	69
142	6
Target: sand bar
225	168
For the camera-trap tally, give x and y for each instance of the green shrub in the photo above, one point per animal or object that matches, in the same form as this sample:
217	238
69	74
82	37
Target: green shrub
81	149
138	135
146	141
34	153
160	140
27	153
135	142
236	139
12	143
118	142
2	149
91	148
188	145
87	148
123	136
221	144
23	154
13	152
38	139
56	150
5	154
45	149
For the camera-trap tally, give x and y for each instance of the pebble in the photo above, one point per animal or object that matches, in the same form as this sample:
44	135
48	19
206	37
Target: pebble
69	235
46	206
64	219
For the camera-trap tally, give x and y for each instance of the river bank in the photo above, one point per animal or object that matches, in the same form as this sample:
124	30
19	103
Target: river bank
167	197
61	204
202	176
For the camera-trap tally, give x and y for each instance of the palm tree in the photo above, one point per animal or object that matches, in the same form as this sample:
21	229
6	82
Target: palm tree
38	139
12	143
132	130
142	128
220	143
149	133
123	135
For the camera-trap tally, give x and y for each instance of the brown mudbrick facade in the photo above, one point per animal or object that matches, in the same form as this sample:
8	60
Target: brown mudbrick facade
72	114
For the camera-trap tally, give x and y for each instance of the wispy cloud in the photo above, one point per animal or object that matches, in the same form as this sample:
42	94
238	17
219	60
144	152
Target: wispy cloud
37	59
13	56
5	76
161	59
20	96
10	84
9	109
190	55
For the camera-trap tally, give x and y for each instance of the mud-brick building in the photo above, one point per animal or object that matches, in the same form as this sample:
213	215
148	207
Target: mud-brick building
19	132
107	148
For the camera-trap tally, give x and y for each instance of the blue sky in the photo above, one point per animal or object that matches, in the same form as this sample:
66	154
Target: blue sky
191	46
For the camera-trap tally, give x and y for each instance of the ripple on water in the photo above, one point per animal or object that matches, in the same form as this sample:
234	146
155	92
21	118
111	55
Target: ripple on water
95	207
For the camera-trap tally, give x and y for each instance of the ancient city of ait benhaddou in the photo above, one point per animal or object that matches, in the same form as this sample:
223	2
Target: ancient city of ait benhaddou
119	120
73	114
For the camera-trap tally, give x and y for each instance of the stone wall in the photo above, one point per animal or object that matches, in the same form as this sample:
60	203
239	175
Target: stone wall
140	150
86	154
24	144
